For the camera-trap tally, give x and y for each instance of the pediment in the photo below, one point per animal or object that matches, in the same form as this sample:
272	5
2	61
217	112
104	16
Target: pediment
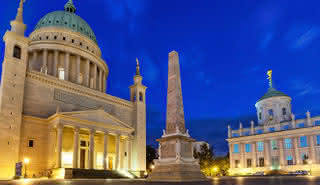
99	116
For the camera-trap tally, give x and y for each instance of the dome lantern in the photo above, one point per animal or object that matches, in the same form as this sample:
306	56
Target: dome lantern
69	7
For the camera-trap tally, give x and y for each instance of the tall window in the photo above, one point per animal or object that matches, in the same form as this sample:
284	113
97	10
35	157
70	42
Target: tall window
61	73
261	162
237	163
249	163
303	141
318	139
272	129
284	111
305	158
287	143
17	52
301	125
248	147
140	96
270	112
260	115
274	145
236	148
260	146
289	160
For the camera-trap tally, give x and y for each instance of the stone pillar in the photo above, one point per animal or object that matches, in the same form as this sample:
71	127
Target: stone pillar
78	69
312	149
229	131
281	152
254	155
87	74
240	129
100	80
91	149
117	163
129	148
95	76
34	59
44	68
267	152
242	155
59	145
104	81
309	122
75	147
66	66
105	150
296	150
293	121
55	63
231	156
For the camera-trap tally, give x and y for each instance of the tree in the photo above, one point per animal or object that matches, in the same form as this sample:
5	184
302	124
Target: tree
222	164
151	155
206	158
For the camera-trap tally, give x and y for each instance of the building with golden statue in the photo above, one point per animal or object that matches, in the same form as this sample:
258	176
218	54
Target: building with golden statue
54	111
278	142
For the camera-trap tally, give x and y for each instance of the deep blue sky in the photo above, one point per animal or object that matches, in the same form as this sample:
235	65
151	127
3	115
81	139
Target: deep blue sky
225	47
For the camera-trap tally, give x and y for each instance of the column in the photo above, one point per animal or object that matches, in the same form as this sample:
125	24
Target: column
267	152
229	131
33	61
44	68
78	69
104	81
55	62
91	149
309	122
117	163
59	145
66	66
254	155
95	76
281	152
296	150
242	155
312	150
100	80
231	155
87	74
75	147
105	150
129	145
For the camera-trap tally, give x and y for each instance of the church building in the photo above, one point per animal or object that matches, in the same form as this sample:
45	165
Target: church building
55	115
278	142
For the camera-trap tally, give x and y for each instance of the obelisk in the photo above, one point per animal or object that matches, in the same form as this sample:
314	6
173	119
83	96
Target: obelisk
176	162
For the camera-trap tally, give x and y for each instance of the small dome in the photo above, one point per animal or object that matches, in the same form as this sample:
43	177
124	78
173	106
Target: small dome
67	19
272	92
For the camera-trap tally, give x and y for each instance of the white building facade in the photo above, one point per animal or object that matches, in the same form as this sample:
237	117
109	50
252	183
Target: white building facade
278	142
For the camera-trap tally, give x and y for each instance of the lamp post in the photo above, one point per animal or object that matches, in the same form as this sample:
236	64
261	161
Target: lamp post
26	162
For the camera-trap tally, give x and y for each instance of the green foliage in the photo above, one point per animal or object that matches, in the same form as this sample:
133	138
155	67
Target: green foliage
211	165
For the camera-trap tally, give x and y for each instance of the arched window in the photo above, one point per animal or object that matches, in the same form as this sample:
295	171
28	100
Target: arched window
140	96
17	52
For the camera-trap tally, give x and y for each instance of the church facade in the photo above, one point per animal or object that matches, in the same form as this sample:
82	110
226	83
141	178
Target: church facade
278	142
54	110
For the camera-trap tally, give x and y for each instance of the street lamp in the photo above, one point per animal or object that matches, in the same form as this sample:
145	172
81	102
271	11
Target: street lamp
26	161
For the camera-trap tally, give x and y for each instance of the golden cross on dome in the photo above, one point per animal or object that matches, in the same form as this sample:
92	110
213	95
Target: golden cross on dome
269	73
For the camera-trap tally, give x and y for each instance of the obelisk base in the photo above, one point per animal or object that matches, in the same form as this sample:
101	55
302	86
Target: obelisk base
177	173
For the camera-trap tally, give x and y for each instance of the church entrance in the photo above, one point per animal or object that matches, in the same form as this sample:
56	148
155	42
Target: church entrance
83	158
110	163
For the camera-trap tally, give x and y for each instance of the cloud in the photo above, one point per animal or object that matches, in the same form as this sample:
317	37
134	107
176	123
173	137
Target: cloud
304	88
150	71
300	37
120	10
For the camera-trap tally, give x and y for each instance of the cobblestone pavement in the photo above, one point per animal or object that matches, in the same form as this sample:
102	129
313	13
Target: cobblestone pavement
214	181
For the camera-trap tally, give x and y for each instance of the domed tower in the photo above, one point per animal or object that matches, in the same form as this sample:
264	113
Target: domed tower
63	45
274	106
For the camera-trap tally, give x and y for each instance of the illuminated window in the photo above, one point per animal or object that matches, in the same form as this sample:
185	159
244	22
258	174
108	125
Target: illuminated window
303	141
236	148
237	163
260	146
61	73
289	160
248	147
274	145
287	143
305	158
249	163
67	159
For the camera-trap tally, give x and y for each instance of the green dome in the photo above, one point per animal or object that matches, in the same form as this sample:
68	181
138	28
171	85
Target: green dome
67	19
272	92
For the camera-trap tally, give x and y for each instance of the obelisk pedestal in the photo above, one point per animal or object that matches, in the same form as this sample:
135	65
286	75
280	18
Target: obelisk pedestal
176	162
